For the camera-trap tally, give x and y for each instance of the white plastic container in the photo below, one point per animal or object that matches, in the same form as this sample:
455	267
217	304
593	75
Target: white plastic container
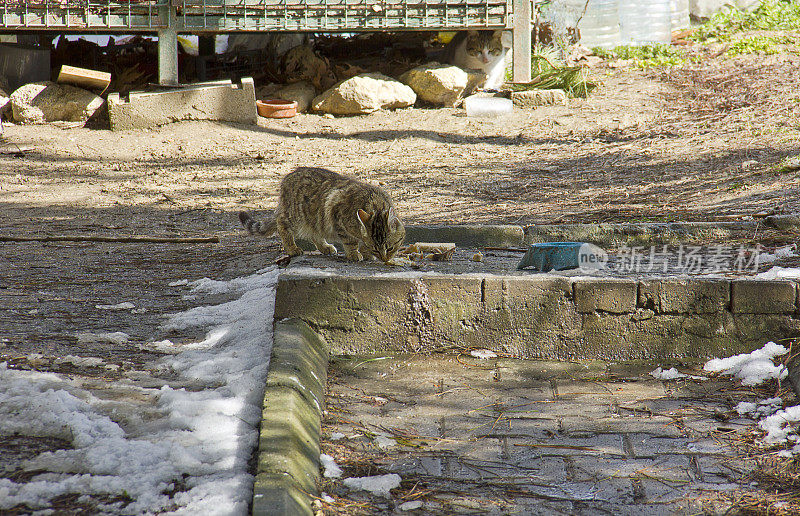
680	15
599	25
644	22
487	106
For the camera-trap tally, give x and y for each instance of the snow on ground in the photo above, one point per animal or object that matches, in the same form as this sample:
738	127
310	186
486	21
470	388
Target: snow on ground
196	442
672	374
752	368
779	273
379	485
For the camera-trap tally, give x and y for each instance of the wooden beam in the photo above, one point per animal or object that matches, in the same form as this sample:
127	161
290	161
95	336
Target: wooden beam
522	40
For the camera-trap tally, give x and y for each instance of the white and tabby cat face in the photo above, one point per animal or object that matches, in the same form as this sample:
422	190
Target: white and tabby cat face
383	233
484	51
485	46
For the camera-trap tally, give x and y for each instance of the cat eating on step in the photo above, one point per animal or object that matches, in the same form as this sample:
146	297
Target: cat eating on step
322	206
482	50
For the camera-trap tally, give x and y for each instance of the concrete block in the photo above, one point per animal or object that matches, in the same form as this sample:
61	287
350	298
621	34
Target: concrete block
219	100
535	98
468	235
289	439
685	296
277	495
763	297
605	295
299	361
784	221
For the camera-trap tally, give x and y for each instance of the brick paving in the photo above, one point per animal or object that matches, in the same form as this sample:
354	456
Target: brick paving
504	436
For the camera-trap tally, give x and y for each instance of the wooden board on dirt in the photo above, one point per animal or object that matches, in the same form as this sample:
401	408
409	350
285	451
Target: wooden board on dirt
83	77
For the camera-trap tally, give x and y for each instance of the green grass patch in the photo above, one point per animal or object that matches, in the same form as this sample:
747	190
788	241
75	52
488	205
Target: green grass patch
646	56
770	15
757	45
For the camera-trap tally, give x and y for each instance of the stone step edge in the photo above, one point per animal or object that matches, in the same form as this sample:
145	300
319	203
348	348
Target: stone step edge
294	400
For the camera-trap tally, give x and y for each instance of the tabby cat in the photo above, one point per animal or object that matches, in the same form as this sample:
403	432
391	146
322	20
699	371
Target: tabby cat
482	50
320	205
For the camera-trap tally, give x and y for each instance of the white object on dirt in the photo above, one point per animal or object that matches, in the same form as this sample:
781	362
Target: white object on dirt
483	353
380	485
119	306
410	506
487	106
384	441
752	368
115	337
332	470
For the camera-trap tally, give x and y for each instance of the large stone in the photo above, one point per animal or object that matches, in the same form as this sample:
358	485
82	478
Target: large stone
437	84
42	102
302	92
5	103
364	94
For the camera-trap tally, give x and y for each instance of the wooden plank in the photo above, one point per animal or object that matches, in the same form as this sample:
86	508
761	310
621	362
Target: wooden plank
522	40
83	77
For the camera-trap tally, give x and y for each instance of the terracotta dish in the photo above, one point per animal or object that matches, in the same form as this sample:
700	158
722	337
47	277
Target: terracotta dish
276	108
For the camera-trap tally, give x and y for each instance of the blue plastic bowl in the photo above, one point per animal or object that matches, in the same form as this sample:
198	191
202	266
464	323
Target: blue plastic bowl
551	256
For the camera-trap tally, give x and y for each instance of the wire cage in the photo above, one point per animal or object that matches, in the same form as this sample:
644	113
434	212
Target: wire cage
253	15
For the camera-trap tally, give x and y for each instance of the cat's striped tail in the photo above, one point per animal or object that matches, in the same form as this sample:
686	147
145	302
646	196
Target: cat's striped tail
257	227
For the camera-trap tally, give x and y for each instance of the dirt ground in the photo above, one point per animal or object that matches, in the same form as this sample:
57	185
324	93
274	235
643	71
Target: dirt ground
689	144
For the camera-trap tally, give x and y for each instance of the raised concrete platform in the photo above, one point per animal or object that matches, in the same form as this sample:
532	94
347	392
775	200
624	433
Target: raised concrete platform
220	100
540	316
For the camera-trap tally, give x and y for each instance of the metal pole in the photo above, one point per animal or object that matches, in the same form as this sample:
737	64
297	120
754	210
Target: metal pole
168	48
522	40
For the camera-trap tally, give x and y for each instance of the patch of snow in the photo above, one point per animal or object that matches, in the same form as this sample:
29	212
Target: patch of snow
763	408
379	485
410	506
332	470
673	374
79	361
779	273
326	497
119	306
335	436
179	283
202	438
782	252
752	368
115	337
483	353
384	441
779	425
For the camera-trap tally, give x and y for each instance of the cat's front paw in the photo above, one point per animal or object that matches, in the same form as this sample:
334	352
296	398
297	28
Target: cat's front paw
355	256
328	249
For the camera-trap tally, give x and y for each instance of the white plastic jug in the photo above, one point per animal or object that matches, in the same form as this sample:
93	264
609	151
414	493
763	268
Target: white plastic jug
680	15
598	25
645	22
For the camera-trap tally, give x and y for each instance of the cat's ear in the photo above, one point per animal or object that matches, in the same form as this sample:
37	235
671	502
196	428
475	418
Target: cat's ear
392	220
363	219
363	216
